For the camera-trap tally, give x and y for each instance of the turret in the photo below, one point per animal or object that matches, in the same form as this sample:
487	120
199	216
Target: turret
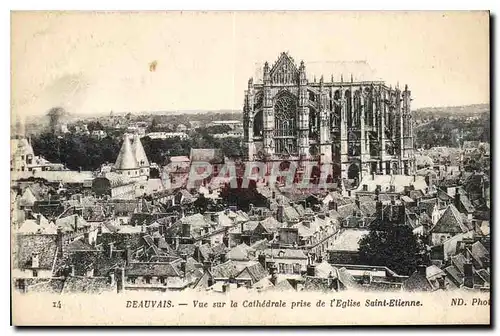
267	77
140	156
126	162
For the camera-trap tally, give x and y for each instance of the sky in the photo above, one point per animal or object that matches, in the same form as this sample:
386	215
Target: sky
100	62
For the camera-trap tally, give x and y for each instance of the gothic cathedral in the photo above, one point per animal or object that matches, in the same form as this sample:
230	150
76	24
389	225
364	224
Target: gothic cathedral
359	127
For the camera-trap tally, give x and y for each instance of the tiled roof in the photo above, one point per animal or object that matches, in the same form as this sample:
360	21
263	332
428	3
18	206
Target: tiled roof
455	275
347	210
239	252
87	285
271	224
478	251
458	261
255	271
79	245
368	208
451	222
188	249
43	245
285	253
229	269
319	284
151	269
67	224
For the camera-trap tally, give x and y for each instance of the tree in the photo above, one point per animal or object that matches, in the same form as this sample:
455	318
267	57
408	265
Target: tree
242	197
392	245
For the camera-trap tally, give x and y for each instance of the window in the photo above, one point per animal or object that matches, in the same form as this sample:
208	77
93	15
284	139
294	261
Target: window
296	268
35	273
281	268
147	280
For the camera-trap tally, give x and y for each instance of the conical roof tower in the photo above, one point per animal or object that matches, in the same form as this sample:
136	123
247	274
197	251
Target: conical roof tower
139	153
126	158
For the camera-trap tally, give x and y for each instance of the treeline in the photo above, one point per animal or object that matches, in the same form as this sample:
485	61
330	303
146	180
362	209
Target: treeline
88	153
76	151
452	132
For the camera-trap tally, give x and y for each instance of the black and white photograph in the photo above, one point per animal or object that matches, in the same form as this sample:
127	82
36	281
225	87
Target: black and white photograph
257	168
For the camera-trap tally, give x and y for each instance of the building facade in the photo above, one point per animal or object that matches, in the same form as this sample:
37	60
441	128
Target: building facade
360	128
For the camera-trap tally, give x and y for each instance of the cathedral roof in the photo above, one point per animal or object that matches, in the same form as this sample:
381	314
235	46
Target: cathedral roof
126	158
138	150
359	70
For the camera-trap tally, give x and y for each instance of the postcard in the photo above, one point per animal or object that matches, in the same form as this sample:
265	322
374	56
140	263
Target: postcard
250	168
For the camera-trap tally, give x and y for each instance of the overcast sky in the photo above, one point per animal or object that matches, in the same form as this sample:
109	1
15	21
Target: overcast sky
91	63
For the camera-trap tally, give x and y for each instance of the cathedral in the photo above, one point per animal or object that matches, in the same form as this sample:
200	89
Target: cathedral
360	127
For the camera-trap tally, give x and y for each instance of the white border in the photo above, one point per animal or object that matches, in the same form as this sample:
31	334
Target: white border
8	5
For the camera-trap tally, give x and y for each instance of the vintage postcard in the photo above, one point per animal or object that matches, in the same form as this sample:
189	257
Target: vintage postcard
250	168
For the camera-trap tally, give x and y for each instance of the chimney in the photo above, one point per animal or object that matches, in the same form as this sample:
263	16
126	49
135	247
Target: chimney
128	255
207	265
356	201
38	219
21	283
242	227
421	269
262	260
86	237
414	178
183	267
59	241
76	223
72	270
373	176
311	270
121	280
457	200
273	271
280	215
367	278
186	230
468	275
111	249
442	282
378	208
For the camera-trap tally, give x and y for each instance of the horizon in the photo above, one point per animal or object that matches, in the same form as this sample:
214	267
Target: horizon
94	63
203	111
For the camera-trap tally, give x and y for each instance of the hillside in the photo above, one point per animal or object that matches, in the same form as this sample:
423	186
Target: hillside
448	111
